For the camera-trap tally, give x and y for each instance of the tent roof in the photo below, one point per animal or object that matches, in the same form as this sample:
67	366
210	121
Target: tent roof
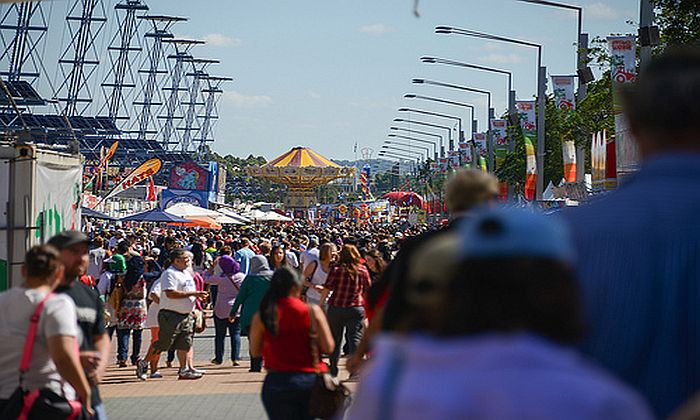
300	157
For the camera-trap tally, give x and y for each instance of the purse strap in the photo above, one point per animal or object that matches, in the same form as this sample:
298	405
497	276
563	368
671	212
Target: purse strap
238	289
313	337
31	336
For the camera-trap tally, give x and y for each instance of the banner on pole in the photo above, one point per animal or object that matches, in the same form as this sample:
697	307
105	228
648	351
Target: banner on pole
144	171
530	169
623	71
623	59
526	110
499	133
465	152
480	144
563	87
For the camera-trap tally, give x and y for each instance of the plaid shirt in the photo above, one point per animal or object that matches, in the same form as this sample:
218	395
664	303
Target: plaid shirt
348	291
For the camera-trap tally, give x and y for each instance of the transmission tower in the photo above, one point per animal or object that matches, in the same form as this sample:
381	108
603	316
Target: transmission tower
195	78
173	106
123	47
22	28
211	92
145	124
79	61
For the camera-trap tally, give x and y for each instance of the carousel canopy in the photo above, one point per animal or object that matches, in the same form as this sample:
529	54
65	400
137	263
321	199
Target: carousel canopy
301	157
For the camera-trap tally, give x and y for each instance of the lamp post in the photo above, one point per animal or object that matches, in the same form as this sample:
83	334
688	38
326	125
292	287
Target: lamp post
541	89
409	151
400	156
409	143
584	72
416	139
471	107
510	93
437	114
474	90
425	133
426	124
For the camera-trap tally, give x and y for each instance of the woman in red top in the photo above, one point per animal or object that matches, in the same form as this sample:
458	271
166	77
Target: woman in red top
280	334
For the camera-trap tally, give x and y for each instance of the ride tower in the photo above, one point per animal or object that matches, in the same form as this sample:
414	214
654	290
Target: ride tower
190	122
209	115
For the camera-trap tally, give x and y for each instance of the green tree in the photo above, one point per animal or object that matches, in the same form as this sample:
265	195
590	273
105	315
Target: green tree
678	21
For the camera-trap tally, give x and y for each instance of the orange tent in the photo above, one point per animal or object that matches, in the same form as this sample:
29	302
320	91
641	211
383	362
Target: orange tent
203	222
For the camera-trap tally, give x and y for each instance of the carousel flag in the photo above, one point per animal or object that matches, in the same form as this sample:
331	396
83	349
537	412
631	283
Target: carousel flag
530	169
145	170
563	87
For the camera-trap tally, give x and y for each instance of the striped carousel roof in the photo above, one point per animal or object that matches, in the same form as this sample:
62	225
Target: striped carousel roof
300	157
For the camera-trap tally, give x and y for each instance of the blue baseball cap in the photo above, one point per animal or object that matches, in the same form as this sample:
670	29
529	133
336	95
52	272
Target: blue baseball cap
509	232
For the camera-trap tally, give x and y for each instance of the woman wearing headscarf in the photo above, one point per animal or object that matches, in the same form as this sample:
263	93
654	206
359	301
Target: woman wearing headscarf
228	282
253	289
281	333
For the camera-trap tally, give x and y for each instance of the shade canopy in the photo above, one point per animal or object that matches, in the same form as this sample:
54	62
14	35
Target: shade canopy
301	157
87	212
155	215
266	216
188	211
232	214
202	222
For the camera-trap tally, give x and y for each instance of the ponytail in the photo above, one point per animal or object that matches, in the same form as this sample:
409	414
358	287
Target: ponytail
283	281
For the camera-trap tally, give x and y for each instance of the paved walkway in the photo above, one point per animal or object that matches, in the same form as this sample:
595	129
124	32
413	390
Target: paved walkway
224	392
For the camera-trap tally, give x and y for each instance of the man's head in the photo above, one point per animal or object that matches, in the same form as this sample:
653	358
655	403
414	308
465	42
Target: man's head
469	188
73	248
662	105
179	259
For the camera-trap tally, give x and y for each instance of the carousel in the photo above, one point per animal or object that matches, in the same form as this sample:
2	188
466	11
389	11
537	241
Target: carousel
300	169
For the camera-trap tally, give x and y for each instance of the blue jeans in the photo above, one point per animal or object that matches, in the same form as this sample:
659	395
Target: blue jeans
100	412
286	395
123	344
221	326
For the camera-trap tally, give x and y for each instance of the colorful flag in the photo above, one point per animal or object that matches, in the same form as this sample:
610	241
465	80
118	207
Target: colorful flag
623	59
151	191
530	169
465	152
526	110
563	87
482	164
568	149
364	181
145	170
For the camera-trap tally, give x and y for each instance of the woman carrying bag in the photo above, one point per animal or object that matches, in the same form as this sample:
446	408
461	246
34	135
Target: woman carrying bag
281	334
39	335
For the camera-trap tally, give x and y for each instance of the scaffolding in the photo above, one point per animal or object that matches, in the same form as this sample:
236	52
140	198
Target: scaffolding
145	126
124	46
211	93
173	105
23	27
190	122
80	59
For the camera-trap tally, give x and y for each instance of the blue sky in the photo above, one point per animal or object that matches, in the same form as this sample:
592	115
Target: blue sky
329	73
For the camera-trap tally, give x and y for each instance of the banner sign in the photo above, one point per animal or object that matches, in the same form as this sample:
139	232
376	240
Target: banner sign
189	176
146	170
526	110
58	198
499	134
530	169
480	144
623	70
465	152
453	156
623	59
171	197
563	87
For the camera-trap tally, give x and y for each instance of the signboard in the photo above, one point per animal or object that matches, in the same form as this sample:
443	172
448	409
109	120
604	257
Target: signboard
171	197
146	170
189	176
480	144
623	71
499	133
563	87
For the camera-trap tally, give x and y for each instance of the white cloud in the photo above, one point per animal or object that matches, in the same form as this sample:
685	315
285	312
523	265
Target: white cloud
502	58
313	94
221	40
600	10
376	29
240	100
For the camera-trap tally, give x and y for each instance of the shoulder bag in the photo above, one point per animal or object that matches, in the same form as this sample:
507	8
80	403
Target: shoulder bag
40	404
328	395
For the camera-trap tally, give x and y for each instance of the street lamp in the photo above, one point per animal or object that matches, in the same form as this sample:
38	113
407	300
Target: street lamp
410	144
511	92
447	102
437	114
416	139
541	89
426	124
399	156
392	148
469	89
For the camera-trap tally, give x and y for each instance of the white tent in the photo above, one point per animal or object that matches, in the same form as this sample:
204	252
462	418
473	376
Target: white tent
188	210
232	214
269	216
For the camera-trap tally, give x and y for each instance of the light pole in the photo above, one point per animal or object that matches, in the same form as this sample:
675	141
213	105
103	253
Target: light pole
437	114
410	144
393	148
416	139
541	90
426	124
510	93
469	89
399	156
474	127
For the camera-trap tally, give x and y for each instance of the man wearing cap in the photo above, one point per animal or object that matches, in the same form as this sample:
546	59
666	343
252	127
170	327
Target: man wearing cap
94	348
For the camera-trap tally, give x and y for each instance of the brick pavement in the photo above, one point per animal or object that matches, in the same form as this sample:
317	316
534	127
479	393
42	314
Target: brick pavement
224	392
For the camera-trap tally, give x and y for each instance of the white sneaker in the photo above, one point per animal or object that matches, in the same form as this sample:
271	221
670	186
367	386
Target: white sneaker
198	371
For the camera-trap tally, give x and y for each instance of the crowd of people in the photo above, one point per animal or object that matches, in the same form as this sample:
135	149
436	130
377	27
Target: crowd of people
504	313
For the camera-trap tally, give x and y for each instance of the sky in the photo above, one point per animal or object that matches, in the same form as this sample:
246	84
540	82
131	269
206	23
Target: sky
329	74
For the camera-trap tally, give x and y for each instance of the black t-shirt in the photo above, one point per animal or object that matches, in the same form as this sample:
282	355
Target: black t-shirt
91	321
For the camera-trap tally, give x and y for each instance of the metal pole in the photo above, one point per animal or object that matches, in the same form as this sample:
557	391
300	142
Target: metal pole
541	90
646	18
582	92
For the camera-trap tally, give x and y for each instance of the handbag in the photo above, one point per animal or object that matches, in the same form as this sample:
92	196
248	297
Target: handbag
328	395
200	323
43	404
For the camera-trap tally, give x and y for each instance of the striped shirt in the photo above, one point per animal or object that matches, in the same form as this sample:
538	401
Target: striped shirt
639	269
348	290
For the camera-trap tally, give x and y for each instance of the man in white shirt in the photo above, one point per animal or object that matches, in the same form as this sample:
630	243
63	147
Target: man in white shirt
310	253
177	301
